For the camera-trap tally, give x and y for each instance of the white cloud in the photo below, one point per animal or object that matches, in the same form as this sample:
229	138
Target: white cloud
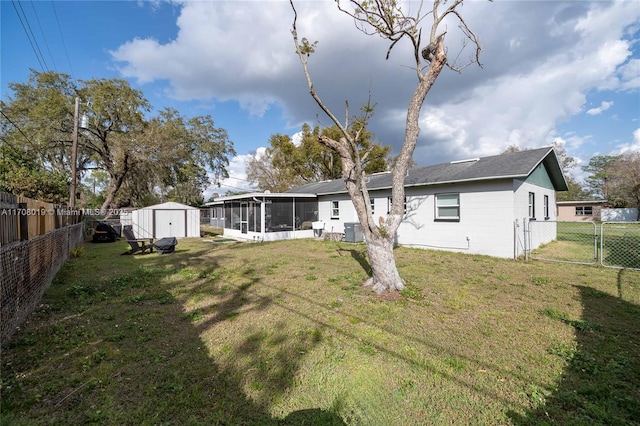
630	75
603	107
541	60
633	146
237	180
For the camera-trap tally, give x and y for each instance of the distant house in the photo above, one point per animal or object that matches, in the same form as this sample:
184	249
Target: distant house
474	206
580	211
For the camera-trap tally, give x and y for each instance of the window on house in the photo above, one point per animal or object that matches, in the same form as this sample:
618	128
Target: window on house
532	205
546	207
335	209
448	207
390	202
584	211
372	201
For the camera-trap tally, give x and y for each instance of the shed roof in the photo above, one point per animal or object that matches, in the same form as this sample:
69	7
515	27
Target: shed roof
512	165
169	205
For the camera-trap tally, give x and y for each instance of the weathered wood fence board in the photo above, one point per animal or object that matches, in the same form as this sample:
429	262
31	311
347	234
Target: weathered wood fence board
22	218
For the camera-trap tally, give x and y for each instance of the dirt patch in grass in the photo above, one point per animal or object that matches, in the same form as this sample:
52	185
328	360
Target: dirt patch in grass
284	333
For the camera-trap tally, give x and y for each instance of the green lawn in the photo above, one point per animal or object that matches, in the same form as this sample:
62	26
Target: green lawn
283	333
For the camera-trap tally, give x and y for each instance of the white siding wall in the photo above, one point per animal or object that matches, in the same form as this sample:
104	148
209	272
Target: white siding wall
485	226
491	217
347	212
486	218
545	228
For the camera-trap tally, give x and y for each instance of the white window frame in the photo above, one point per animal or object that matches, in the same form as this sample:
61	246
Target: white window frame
532	205
546	207
447	218
335	209
390	202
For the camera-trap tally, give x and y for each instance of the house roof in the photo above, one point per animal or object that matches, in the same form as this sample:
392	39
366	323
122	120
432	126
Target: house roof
581	202
256	197
513	165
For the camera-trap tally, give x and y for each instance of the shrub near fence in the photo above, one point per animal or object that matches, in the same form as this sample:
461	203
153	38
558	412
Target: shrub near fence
27	269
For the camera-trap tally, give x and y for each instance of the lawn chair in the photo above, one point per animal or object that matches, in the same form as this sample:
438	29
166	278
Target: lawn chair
137	244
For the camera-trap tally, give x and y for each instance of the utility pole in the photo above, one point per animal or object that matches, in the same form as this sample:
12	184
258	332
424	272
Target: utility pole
74	155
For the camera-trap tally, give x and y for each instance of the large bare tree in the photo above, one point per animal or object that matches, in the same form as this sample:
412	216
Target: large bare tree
386	18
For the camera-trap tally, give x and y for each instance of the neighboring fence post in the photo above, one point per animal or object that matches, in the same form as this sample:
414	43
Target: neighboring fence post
24	222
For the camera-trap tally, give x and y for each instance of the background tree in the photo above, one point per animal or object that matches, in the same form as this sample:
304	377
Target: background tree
116	123
187	148
22	176
567	164
168	156
268	171
285	165
623	183
597	182
387	19
36	127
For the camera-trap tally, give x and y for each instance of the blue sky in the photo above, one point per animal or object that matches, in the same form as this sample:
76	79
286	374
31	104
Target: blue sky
558	71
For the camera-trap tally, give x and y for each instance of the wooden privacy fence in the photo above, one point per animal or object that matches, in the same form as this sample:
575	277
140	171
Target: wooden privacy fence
22	218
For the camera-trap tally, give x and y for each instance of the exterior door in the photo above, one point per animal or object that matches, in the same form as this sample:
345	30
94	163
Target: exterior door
170	223
244	217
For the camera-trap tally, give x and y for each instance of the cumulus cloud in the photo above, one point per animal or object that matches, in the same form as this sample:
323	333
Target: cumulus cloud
633	146
603	107
541	60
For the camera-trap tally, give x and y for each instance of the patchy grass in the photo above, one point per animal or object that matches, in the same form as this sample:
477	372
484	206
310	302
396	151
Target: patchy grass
282	333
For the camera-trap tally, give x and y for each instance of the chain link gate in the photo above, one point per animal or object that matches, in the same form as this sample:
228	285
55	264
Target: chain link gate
568	242
612	244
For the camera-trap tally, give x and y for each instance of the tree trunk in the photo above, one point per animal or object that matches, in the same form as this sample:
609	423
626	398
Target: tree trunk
116	183
385	274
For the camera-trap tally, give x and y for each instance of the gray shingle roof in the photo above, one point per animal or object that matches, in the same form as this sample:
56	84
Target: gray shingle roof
511	165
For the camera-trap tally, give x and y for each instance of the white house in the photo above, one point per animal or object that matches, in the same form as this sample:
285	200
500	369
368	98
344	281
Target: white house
477	206
166	220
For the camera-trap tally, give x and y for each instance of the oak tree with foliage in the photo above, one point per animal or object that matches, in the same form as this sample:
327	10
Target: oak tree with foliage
285	164
387	19
134	156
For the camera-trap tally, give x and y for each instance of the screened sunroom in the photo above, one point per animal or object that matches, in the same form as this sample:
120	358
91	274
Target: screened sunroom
267	217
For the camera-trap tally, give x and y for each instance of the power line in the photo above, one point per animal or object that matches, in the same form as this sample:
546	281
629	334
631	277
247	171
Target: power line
55	13
16	126
32	40
44	38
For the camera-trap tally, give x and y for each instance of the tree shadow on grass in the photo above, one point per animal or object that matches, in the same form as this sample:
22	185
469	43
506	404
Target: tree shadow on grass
601	381
359	254
119	349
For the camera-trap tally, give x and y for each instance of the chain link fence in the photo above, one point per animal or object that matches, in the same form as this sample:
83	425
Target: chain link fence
620	245
612	244
570	242
27	269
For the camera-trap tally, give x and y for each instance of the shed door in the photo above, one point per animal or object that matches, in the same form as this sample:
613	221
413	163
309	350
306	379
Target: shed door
170	223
